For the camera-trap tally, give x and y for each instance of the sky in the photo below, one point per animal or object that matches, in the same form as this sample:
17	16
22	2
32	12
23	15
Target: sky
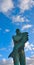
16	14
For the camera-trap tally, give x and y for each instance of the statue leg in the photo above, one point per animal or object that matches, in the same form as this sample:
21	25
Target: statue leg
16	58
22	58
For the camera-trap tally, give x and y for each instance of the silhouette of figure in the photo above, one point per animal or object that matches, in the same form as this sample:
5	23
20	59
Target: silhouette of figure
18	53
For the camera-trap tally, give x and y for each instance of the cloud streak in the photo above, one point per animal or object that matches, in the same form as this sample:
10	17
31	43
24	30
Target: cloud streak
1	49
26	26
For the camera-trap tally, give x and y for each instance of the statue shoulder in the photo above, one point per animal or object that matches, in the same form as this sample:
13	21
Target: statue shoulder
25	33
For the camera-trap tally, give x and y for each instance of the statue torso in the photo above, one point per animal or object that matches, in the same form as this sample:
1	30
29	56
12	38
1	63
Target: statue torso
20	40
20	37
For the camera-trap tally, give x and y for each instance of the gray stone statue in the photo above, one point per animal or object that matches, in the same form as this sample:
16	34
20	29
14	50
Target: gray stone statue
18	53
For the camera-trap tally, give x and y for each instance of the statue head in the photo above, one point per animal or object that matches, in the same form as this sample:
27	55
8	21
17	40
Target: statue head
17	31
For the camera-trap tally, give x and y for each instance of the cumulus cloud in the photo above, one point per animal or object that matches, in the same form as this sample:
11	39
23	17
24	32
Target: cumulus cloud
25	4
6	5
26	26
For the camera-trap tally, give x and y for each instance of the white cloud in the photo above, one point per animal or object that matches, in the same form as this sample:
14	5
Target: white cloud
26	26
27	58
6	5
7	30
29	61
4	60
33	48
18	19
29	46
25	4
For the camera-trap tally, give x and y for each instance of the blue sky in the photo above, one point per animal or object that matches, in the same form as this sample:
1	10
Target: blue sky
16	14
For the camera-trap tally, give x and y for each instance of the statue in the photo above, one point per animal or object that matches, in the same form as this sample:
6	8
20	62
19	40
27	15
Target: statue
18	53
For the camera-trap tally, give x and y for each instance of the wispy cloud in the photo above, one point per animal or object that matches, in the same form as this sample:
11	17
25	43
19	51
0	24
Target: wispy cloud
7	30
6	61
1	49
32	30
19	19
29	47
5	49
26	26
25	5
29	61
6	5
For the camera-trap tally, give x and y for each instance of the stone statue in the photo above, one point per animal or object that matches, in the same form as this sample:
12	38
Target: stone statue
18	53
